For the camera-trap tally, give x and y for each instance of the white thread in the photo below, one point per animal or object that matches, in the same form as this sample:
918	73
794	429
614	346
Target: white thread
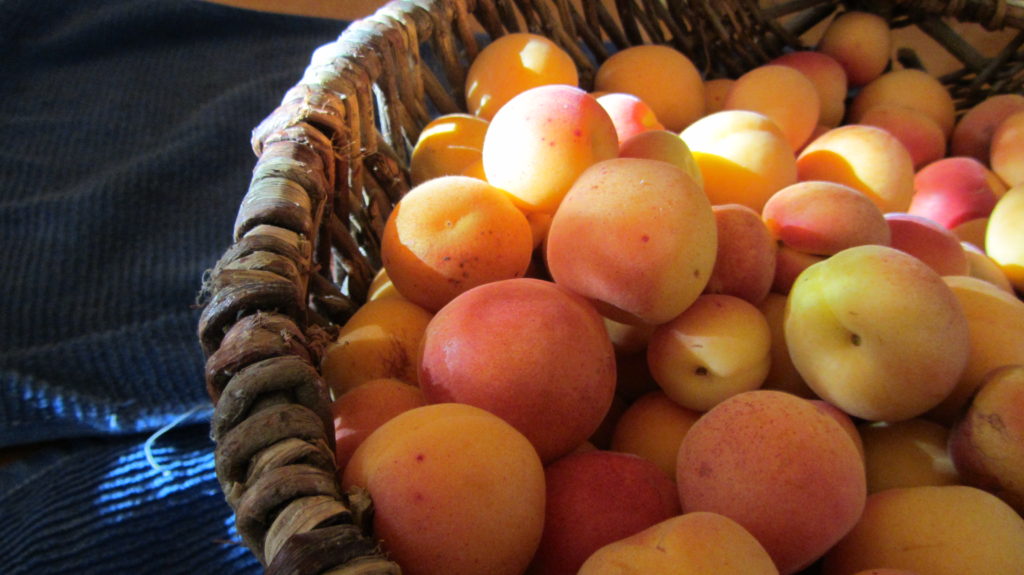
148	446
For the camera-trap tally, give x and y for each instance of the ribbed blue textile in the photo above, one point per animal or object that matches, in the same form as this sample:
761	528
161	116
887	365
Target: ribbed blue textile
124	154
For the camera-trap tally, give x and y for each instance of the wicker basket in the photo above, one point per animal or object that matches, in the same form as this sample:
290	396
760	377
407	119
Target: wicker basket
332	161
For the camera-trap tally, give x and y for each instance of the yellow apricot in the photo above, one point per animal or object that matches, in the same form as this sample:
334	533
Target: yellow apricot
1004	236
450	145
907	453
933	530
381	340
743	156
1007	150
697	543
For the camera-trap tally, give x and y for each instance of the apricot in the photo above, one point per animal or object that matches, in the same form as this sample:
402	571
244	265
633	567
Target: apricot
455	490
972	232
716	348
381	286
906	453
450	234
987	442
1006	153
652	427
527	350
783	94
953	190
823	218
934	530
995	322
972	134
917	131
715	91
861	42
636	237
697	543
660	75
511	65
1004	236
929	242
780	467
449	145
829	80
907	88
628	338
877	333
844	421
542	140
381	340
630	114
743	156
789	264
782	374
985	268
865	158
745	262
665	146
360	411
595	498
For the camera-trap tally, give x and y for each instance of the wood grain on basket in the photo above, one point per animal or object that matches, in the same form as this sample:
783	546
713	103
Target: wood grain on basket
333	160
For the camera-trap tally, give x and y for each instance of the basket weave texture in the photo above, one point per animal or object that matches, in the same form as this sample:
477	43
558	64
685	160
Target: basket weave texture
332	160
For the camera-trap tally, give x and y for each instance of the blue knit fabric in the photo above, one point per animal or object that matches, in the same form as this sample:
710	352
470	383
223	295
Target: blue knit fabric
124	154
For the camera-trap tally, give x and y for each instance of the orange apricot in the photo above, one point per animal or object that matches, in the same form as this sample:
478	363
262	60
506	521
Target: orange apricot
782	93
455	489
829	79
660	75
861	42
908	88
652	427
360	411
715	91
636	237
743	157
513	64
542	140
450	234
972	134
865	158
919	132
